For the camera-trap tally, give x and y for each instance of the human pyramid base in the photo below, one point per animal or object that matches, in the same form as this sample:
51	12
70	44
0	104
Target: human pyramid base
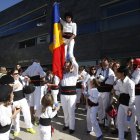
110	91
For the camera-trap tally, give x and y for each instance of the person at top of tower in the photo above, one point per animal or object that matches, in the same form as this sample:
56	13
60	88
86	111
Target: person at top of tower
69	33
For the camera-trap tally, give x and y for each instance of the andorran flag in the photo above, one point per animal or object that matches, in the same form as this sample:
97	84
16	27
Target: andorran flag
57	46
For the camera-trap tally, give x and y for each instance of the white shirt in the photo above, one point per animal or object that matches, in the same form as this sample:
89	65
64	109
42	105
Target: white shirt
33	70
88	82
86	78
111	76
70	78
49	113
126	86
69	27
20	86
136	76
82	76
56	80
84	73
5	115
94	95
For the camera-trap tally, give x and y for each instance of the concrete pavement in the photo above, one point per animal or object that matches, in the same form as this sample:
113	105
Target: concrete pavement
80	132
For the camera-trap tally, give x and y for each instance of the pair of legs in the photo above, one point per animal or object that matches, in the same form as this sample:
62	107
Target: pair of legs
79	93
55	94
5	136
68	105
45	132
92	113
104	101
69	49
35	102
122	122
137	104
26	113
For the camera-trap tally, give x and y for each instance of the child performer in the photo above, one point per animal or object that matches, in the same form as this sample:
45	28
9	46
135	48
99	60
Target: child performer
54	86
46	115
93	108
6	116
69	33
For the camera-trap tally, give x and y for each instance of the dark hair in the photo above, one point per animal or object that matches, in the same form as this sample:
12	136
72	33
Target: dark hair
105	58
128	59
12	71
6	79
123	69
90	71
68	14
46	101
95	82
8	102
116	62
36	60
81	68
20	71
5	94
68	61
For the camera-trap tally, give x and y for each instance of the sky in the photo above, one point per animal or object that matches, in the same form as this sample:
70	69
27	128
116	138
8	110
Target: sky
4	4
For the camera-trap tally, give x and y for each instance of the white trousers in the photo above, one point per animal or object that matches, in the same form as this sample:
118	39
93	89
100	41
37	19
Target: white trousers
26	114
89	125
68	105
45	132
69	48
137	104
92	112
101	111
79	92
35	98
5	136
104	101
122	122
43	91
54	94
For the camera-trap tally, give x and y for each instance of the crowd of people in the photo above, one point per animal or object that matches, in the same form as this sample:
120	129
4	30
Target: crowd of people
110	92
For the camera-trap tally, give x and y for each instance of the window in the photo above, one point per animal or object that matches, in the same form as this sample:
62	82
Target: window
41	21
92	27
43	39
27	43
120	14
120	7
24	23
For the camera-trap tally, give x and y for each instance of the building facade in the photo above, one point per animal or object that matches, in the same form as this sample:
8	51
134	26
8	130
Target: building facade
105	28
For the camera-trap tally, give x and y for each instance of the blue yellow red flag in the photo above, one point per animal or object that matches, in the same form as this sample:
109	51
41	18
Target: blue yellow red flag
57	46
